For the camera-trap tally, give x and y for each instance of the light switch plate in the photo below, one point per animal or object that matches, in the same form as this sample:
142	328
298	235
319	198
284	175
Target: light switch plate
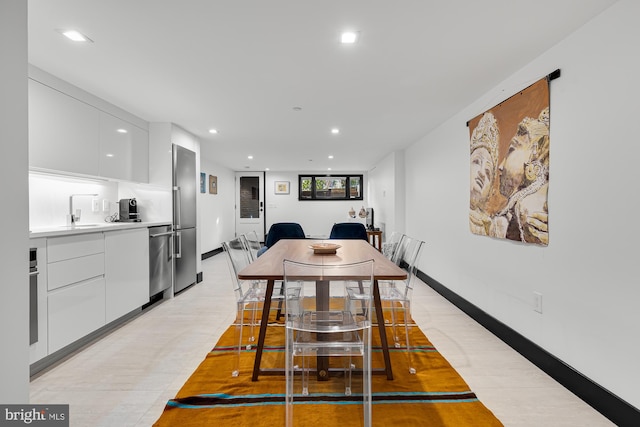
95	205
105	205
537	302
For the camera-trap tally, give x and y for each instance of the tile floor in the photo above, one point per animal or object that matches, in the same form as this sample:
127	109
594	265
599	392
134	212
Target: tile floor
125	378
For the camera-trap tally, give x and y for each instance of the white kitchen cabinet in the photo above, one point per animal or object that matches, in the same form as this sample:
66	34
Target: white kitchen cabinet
126	271
76	284
75	311
124	150
87	281
63	131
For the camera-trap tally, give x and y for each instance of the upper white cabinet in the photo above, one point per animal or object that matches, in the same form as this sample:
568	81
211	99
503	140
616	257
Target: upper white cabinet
124	150
62	131
69	134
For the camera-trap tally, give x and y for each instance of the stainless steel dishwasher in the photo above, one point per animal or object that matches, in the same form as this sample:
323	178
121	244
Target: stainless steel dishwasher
160	258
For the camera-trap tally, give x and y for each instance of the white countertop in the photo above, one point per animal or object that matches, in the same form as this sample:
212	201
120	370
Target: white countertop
83	228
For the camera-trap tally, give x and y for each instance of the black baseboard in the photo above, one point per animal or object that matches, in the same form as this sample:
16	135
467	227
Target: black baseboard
211	253
611	406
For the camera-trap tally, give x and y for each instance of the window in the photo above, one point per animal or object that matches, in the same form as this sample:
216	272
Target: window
330	187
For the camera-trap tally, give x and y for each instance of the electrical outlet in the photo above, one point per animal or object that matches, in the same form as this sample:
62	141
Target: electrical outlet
105	205
95	205
537	302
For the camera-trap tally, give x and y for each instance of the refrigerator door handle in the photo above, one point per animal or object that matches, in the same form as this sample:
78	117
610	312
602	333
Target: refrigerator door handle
172	239
178	207
178	253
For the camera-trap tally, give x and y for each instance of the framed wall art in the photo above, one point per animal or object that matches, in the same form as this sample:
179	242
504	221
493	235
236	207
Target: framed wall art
213	184
203	182
282	187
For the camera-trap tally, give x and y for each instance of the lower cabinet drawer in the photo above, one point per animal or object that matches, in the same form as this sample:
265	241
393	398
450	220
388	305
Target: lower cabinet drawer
67	247
74	270
75	311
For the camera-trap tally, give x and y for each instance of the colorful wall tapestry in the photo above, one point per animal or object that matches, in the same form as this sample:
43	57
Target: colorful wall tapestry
509	178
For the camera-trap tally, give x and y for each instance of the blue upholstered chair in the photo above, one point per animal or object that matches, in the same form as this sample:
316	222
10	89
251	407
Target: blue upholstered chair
282	230
348	230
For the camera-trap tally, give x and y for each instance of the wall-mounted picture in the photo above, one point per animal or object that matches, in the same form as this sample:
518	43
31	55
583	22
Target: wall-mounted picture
282	187
509	174
203	182
213	184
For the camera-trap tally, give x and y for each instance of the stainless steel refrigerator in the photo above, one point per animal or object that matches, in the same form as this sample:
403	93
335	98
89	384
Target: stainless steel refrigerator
184	217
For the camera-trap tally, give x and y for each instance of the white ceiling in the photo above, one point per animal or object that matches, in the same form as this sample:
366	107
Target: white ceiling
240	66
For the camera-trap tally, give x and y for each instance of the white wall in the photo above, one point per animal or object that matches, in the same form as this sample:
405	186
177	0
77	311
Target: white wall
315	217
587	275
14	333
386	193
217	220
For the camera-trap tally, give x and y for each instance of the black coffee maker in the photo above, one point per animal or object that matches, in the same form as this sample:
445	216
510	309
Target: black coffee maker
129	211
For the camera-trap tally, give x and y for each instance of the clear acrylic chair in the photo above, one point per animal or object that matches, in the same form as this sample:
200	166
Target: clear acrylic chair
395	295
391	244
253	244
249	294
320	327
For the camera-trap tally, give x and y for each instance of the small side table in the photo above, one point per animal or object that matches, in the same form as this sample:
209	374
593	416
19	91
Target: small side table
372	235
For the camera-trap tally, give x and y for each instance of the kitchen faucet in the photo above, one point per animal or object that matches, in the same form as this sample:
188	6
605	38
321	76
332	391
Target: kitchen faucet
72	217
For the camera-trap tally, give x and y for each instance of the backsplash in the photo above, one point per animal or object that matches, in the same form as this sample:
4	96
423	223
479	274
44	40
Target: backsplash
154	203
49	199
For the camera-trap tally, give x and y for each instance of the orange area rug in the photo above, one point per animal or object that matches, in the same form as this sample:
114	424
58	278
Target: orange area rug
435	396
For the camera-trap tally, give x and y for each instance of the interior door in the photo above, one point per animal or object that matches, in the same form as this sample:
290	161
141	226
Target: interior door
250	203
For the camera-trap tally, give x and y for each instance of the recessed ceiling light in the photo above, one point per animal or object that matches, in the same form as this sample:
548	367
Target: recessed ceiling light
249	157
75	35
214	131
335	131
328	169
267	169
330	156
121	130
109	155
349	37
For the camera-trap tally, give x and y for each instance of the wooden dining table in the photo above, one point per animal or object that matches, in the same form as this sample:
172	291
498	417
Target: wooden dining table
269	267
